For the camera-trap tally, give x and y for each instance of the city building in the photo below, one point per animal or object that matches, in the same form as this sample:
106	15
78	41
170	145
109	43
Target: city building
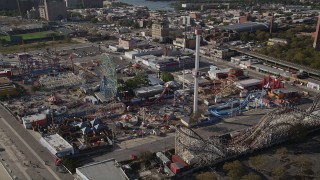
6	73
108	169
138	52
186	62
165	63
128	44
186	20
7	88
132	43
222	53
243	19
57	145
189	42
313	84
53	10
160	31
195	15
316	43
34	120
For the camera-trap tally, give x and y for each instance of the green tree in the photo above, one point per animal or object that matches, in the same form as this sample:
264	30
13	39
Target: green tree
94	20
251	176
302	162
3	42
298	133
244	36
299	57
206	176
257	162
282	152
252	37
67	38
70	163
52	35
166	76
235	169
136	25
156	40
278	172
141	79
317	175
121	85
262	36
35	88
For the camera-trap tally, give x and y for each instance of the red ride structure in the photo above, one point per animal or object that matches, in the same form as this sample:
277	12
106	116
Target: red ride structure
271	83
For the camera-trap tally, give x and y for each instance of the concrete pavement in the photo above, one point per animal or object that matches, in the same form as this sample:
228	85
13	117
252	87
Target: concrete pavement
4	173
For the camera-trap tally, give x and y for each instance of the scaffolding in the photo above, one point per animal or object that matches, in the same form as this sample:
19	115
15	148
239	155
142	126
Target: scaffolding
272	129
108	85
29	65
61	81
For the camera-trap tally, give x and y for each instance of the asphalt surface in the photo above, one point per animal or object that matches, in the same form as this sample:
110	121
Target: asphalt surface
159	144
36	155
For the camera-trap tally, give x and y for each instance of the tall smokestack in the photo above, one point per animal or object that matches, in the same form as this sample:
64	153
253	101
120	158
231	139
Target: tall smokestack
271	24
198	33
316	43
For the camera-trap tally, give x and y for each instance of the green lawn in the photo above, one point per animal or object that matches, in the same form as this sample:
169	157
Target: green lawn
29	36
34	46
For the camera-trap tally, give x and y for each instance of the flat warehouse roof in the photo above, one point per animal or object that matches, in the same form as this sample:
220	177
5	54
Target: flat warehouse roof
268	69
106	170
56	141
246	27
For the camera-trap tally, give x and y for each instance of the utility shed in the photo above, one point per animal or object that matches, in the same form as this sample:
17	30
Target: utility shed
57	145
103	170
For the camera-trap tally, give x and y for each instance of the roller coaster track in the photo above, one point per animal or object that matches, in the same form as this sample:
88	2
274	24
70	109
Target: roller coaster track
314	104
272	129
193	135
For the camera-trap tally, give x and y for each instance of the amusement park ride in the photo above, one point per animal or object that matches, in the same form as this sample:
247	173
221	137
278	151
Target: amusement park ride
273	128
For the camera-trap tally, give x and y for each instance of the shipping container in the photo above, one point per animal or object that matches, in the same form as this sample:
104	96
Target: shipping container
176	158
163	158
176	168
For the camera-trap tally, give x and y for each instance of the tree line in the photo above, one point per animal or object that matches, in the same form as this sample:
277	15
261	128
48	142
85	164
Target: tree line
298	50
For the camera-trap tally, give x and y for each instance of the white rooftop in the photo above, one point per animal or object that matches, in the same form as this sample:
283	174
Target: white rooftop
56	141
33	118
